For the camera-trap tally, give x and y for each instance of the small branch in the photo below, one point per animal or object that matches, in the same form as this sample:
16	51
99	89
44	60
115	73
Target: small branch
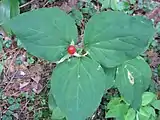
78	55
26	4
63	59
11	80
46	4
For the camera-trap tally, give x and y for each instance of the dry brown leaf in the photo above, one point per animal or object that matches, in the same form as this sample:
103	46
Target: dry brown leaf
26	88
37	88
36	69
36	78
151	53
66	7
154	14
155	59
72	3
157	0
22	85
15	115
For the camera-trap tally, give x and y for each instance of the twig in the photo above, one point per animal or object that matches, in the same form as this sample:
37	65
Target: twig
10	81
14	57
26	4
45	3
13	50
41	108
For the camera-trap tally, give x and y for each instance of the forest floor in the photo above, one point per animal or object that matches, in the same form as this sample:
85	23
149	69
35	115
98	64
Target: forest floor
25	79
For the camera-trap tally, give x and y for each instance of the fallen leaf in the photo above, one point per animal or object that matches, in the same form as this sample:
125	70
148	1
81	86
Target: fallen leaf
66	7
36	78
22	85
37	88
36	69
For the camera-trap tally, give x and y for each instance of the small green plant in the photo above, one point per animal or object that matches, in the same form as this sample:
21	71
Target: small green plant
9	9
77	15
13	105
107	56
119	109
123	5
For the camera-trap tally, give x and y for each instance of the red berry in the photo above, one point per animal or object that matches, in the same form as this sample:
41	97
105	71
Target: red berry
71	49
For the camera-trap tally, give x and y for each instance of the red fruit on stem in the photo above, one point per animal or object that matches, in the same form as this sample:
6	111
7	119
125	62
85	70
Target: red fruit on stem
71	49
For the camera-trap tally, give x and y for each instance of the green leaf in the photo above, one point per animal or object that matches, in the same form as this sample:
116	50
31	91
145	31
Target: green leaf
77	16
147	98
0	45
113	37
158	28
1	68
105	3
132	1
123	6
51	0
51	102
114	4
118	112
14	8
6	117
5	30
11	100
158	70
78	85
156	104
9	112
150	111
14	106
147	112
142	117
5	11
46	32
57	114
152	118
132	79
131	114
30	108
110	77
9	9
115	101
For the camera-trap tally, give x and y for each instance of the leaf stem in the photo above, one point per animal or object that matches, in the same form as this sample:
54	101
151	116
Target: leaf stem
63	59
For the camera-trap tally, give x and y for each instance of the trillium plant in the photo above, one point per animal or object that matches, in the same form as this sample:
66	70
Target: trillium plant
108	55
